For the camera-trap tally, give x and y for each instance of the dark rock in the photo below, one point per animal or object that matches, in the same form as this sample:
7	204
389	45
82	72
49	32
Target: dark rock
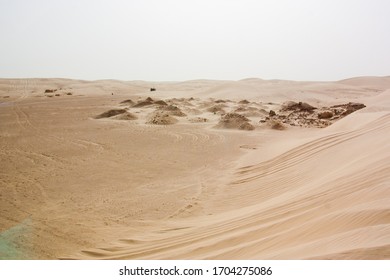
300	106
325	115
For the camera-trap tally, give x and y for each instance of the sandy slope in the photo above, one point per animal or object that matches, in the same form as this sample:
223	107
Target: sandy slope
72	186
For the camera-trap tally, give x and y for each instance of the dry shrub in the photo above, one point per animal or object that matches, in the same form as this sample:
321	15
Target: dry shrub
235	121
161	118
198	120
246	126
275	124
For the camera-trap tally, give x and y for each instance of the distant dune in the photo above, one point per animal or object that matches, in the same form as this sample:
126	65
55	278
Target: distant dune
201	169
375	82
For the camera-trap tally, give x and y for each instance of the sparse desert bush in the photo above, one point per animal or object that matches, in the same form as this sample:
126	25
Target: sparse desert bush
235	121
161	118
276	124
246	126
198	120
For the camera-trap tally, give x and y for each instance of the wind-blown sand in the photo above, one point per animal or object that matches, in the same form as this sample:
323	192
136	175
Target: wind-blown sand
195	170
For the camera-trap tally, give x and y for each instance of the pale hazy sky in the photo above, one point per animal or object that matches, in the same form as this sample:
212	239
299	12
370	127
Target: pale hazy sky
194	39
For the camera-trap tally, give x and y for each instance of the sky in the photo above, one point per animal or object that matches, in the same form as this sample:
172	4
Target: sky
176	40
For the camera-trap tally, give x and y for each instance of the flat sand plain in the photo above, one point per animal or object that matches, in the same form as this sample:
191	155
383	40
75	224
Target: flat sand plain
195	170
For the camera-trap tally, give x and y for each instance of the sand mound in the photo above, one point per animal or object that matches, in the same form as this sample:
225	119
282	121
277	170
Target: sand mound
143	103
126	117
111	113
220	101
217	109
160	102
161	118
235	121
240	109
173	110
128	102
250	111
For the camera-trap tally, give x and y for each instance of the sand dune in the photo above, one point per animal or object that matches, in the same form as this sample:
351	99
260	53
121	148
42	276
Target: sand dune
174	179
375	82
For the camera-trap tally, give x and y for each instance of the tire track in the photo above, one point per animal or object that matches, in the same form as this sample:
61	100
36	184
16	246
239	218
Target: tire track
306	152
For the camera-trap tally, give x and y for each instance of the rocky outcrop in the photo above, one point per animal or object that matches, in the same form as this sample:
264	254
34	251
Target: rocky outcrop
305	115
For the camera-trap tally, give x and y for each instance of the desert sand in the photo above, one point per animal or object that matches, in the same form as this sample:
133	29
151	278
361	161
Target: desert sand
249	169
